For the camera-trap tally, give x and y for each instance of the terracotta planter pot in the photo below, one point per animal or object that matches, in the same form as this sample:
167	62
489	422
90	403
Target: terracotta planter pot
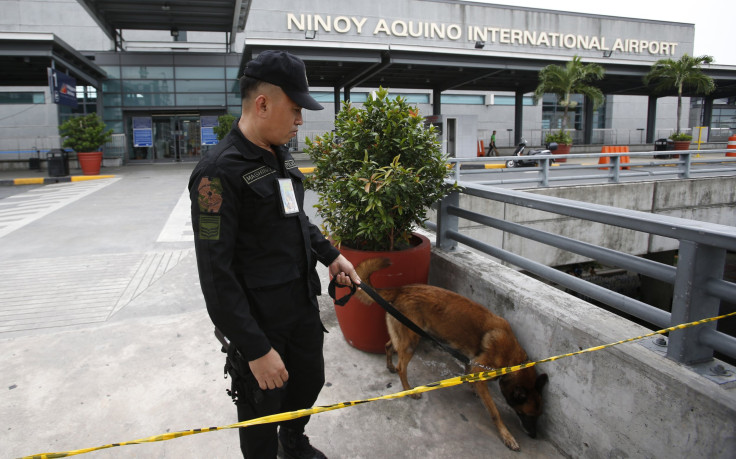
90	162
364	326
562	149
682	144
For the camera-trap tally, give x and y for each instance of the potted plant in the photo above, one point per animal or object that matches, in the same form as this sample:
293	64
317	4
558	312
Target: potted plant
85	135
563	140
681	140
376	175
563	82
668	75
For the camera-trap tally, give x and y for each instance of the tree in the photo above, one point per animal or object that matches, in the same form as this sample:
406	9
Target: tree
668	74
574	78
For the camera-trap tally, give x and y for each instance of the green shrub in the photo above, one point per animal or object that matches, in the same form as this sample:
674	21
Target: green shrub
84	133
681	137
224	125
377	173
561	137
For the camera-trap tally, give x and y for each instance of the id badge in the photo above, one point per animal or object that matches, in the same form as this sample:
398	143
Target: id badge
289	206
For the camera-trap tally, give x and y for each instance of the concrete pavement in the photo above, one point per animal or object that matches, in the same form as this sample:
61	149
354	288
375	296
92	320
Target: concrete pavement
105	339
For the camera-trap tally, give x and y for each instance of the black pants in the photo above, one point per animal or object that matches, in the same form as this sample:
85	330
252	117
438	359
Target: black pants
295	331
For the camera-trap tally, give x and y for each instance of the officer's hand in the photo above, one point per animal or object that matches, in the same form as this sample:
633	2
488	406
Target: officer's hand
269	370
344	271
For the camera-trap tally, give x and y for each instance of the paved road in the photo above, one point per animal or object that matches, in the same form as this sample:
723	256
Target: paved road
105	339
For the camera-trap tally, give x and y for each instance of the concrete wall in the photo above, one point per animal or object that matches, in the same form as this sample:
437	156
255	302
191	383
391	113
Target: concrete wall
711	199
625	401
25	126
64	18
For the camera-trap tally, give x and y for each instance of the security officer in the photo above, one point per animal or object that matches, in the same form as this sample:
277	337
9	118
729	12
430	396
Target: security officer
256	255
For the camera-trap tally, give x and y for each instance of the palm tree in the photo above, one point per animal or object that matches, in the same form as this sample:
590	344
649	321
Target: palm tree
668	74
573	78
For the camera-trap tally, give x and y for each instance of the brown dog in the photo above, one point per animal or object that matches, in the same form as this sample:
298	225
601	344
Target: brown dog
470	328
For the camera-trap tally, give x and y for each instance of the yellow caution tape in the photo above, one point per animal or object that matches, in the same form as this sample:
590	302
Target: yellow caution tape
474	377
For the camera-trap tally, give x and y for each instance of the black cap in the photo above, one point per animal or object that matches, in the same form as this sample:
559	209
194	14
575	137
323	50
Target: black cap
285	71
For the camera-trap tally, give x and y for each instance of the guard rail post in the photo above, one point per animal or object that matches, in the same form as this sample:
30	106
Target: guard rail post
615	169
545	172
696	264
447	222
687	161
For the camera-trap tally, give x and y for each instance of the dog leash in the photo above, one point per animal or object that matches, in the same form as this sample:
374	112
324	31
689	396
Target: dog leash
395	313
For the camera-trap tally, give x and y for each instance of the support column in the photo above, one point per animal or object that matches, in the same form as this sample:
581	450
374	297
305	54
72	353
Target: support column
651	118
708	113
588	120
519	116
337	99
436	101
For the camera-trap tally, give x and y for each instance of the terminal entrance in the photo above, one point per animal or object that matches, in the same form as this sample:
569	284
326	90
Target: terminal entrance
167	138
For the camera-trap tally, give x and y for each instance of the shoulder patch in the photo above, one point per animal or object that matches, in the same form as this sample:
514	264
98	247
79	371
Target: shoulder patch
258	174
290	164
209	227
210	195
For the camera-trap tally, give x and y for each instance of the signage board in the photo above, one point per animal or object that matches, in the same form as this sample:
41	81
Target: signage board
207	130
63	88
142	131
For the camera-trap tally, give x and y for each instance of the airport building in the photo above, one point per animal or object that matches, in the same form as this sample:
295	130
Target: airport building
160	72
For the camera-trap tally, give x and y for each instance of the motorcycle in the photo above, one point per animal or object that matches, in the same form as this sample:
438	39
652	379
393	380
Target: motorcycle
521	150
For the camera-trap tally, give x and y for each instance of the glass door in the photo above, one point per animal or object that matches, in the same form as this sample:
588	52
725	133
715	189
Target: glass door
170	138
164	141
188	138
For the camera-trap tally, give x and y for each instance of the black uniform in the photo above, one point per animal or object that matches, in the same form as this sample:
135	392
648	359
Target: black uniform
257	272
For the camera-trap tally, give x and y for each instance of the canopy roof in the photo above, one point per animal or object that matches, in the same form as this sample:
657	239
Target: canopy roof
340	68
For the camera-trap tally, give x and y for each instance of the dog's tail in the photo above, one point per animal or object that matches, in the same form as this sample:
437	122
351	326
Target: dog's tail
365	269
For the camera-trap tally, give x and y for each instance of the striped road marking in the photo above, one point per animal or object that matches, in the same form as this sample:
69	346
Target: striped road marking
178	227
47	293
19	210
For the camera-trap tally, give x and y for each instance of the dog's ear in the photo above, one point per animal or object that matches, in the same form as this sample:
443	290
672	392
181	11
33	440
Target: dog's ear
541	381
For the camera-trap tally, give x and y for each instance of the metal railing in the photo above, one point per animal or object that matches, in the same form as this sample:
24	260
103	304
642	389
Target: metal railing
697	279
647	164
115	147
505	137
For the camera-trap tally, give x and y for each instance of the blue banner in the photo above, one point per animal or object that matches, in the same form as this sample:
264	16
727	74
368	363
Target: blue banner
63	88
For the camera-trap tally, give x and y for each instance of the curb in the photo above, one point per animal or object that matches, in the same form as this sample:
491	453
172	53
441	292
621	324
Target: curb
51	180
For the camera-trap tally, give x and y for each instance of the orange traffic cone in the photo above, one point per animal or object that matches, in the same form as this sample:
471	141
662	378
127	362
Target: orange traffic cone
731	146
604	159
625	159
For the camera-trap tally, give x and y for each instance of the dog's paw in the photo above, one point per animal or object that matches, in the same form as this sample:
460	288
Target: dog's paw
391	369
511	443
415	396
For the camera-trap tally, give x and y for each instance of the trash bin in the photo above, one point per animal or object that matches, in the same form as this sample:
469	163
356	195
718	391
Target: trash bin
57	161
662	145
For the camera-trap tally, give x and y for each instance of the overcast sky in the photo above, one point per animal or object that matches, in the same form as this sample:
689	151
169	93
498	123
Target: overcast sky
715	20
